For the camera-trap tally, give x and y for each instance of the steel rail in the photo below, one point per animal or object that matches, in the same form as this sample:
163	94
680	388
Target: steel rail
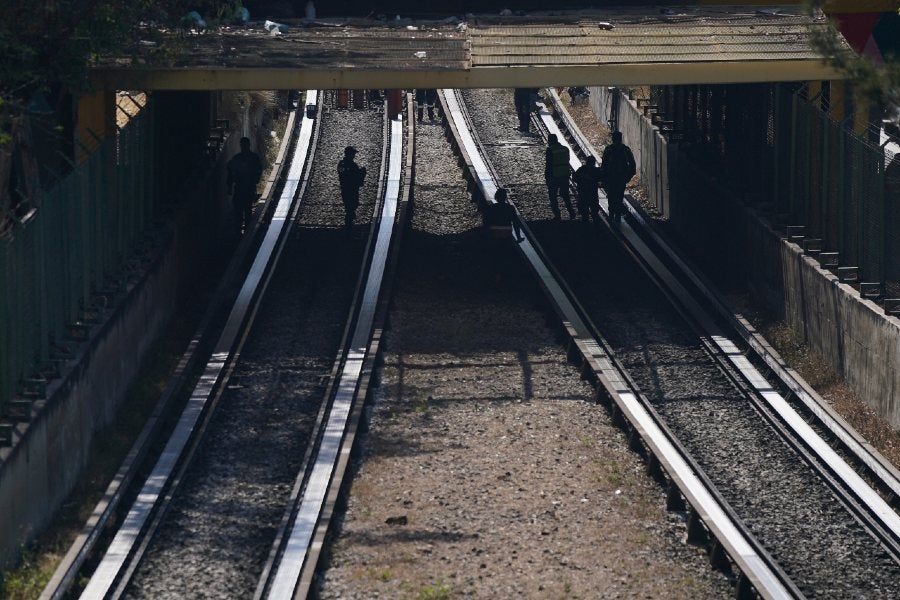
881	469
339	482
299	544
755	565
887	528
67	571
108	573
291	506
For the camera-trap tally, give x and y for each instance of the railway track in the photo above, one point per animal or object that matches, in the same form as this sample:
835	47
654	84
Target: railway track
295	554
757	569
864	480
687	394
106	510
698	385
487	470
204	522
772	375
866	461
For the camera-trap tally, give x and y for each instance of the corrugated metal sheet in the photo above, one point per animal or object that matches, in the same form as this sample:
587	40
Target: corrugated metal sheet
652	36
368	48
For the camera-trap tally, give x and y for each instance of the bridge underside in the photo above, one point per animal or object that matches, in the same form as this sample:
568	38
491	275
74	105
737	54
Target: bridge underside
619	46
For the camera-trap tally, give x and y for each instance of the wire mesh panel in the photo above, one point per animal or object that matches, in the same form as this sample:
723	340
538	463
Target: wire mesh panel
839	188
892	224
775	146
87	226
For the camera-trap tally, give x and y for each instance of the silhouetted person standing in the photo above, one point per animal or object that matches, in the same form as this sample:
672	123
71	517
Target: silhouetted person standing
426	97
522	100
503	214
618	168
587	180
351	177
244	171
556	173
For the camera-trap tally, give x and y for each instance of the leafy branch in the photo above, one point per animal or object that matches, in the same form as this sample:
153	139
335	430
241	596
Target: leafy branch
877	81
55	42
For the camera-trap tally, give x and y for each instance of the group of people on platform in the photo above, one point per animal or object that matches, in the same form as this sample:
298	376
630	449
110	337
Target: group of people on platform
615	171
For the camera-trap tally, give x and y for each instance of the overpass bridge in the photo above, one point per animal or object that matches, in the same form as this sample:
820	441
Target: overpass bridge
611	46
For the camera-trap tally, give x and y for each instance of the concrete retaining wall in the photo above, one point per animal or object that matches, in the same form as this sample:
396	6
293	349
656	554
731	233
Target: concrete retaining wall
44	466
853	334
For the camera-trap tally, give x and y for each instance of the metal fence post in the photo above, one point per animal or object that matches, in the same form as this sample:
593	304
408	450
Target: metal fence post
825	196
842	203
776	117
792	170
6	291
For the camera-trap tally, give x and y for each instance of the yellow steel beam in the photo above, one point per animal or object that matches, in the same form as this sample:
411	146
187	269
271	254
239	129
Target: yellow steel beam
859	6
477	77
96	120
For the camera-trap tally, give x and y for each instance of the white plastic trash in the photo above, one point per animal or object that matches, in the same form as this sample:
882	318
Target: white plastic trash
273	26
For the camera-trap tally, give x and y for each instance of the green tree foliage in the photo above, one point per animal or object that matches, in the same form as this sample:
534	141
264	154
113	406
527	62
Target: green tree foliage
48	42
878	81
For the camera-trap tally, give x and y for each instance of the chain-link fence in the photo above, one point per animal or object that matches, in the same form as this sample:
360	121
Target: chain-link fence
76	247
776	147
835	182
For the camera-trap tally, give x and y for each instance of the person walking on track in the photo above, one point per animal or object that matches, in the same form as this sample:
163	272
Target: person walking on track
426	97
244	170
524	103
587	181
502	215
556	173
618	168
351	177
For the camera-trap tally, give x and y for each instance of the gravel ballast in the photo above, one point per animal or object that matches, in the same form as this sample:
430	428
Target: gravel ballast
487	471
794	515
